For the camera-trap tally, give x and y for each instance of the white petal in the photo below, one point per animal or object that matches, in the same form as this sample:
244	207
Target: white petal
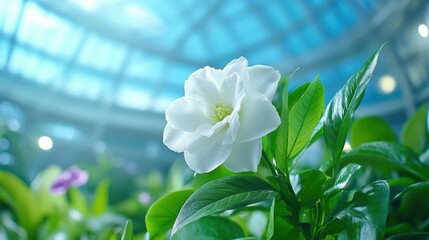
236	66
207	154
177	140
263	79
234	125
187	114
233	90
202	85
244	156
258	117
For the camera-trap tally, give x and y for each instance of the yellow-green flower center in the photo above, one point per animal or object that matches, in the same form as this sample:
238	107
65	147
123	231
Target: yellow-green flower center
222	111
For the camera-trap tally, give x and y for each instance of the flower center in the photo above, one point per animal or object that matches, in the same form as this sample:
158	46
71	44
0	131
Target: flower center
222	111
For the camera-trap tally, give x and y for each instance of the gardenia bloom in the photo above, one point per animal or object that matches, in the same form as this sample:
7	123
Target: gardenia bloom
73	176
223	116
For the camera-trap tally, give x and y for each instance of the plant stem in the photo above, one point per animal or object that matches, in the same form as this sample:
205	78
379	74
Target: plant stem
269	164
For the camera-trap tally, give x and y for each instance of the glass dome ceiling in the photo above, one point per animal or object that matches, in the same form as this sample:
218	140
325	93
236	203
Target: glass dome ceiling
98	74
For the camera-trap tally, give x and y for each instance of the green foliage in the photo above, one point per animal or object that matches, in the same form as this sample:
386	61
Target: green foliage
162	214
339	112
128	231
370	129
223	194
415	130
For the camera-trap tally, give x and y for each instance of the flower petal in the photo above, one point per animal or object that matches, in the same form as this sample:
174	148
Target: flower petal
263	79
258	117
233	90
177	140
236	66
244	156
234	125
204	85
207	154
187	114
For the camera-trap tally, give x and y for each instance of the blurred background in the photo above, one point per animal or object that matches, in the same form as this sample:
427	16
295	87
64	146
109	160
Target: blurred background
87	82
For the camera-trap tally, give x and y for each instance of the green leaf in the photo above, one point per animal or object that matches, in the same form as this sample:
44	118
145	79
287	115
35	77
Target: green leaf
414	130
309	186
270	227
210	228
9	229
304	114
223	194
162	214
365	216
128	231
387	157
370	129
202	178
413	197
100	203
78	201
343	179
20	199
339	113
413	236
281	134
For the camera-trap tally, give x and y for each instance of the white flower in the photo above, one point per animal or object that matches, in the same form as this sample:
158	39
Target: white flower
223	116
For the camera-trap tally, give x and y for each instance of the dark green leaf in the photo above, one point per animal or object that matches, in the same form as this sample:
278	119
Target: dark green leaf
413	133
343	179
281	134
210	228
370	129
339	113
304	114
223	194
309	186
128	231
9	229
162	214
407	236
365	216
414	197
386	157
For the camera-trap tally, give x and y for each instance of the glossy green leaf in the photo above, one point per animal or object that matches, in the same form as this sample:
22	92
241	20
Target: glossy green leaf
370	129
15	194
304	114
210	228
339	112
128	231
365	216
343	179
162	214
414	130
413	197
270	227
281	134
309	186
386	157
100	203
223	194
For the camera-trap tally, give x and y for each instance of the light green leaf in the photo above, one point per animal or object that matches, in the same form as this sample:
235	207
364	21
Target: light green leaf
370	129
270	227
210	228
162	214
365	216
304	114
223	194
386	157
100	203
202	178
339	113
415	129
128	231
15	194
78	201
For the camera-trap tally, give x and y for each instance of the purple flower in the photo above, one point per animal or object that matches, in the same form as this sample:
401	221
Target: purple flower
73	176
